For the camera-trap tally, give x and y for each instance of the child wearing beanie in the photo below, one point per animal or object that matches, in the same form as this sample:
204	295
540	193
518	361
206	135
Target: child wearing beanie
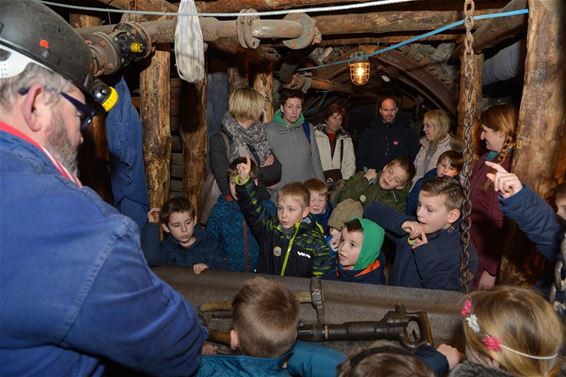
359	254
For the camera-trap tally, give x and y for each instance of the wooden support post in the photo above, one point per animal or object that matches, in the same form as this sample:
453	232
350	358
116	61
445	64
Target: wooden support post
476	102
155	113
238	74
540	155
263	83
193	130
93	156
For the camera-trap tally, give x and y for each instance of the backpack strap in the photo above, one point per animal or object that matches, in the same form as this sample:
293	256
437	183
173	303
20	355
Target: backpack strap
307	130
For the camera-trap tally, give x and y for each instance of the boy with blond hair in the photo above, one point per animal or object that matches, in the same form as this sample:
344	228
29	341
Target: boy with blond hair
320	209
291	244
428	247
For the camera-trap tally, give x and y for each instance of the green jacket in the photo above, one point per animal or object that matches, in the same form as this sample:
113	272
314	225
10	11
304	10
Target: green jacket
302	253
360	189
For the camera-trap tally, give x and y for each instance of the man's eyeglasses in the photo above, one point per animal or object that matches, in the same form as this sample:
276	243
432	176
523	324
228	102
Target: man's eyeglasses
84	111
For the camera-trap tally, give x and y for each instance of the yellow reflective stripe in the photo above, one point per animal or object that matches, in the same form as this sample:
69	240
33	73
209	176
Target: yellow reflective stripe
289	251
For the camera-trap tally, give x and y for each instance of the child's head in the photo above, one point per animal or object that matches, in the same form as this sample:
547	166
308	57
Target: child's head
292	204
318	195
384	361
360	244
246	105
449	164
513	328
396	174
560	200
440	201
345	210
178	217
264	318
233	172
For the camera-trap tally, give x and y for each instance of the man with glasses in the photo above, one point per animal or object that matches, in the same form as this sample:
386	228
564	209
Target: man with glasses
75	289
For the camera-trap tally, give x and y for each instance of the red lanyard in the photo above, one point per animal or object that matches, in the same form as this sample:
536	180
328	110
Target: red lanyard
60	168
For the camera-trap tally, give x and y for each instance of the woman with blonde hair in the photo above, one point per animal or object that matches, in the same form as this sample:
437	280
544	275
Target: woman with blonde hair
498	124
510	331
436	140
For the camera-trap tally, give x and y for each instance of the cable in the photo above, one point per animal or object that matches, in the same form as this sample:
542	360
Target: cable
422	36
269	13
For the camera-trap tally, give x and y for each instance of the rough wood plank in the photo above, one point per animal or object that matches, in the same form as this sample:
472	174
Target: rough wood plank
155	114
541	137
263	83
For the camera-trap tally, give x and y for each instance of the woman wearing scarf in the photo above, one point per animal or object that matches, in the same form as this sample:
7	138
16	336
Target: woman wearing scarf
292	140
242	134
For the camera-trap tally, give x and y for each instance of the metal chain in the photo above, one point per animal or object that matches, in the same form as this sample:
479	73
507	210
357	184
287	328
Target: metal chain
559	281
465	274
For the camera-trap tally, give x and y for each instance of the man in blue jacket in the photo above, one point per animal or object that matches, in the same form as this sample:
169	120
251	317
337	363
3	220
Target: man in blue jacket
75	287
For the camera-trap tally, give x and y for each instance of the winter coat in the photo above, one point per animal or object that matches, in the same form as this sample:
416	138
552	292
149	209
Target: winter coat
341	157
204	250
381	143
322	218
366	192
303	253
228	227
241	366
299	157
434	265
487	219
413	199
76	290
373	274
425	160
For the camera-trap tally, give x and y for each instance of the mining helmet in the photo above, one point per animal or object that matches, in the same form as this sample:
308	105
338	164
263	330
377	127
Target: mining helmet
30	30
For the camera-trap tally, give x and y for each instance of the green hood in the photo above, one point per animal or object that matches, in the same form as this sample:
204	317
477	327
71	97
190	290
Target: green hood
278	117
371	247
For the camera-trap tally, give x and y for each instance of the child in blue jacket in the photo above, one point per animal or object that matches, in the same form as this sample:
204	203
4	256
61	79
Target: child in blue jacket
428	249
186	244
228	227
320	208
360	259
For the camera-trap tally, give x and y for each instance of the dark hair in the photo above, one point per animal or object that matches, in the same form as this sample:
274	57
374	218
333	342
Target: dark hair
233	168
447	186
404	163
387	361
456	159
316	185
178	204
265	315
560	189
334	108
354	225
285	94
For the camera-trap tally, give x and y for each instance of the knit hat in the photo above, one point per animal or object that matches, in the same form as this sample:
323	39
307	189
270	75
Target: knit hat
344	212
371	246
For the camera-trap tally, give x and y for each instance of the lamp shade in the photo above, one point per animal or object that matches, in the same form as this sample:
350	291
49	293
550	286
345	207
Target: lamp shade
359	71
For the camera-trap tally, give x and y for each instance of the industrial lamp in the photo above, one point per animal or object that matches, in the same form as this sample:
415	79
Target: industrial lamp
359	68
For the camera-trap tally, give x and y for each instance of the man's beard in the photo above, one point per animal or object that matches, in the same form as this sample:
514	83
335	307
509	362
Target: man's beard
59	145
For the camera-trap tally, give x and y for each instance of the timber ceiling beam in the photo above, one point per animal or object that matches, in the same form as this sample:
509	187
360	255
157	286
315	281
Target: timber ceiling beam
236	6
494	31
147	5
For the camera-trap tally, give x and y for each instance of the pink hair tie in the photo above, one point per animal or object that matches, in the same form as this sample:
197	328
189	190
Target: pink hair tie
492	343
467	308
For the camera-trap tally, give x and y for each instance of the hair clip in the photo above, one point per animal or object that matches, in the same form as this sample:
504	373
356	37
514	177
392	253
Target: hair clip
492	343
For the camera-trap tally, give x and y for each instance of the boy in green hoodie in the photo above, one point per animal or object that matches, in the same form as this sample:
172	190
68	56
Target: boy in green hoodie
360	259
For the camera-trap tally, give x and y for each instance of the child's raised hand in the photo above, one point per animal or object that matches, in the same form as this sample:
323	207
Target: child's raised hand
371	174
199	268
413	228
244	170
507	184
153	215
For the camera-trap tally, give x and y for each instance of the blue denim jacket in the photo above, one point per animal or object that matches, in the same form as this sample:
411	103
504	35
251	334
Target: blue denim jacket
75	286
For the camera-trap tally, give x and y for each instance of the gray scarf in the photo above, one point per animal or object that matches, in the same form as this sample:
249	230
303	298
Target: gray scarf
252	139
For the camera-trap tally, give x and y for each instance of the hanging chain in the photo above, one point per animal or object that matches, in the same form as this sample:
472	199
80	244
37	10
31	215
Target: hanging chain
559	281
465	274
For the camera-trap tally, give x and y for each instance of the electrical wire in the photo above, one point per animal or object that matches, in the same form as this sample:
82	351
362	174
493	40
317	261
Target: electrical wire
267	13
418	37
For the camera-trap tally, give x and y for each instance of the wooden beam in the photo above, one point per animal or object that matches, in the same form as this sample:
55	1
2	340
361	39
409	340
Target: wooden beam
155	113
540	157
475	103
193	132
263	83
151	5
494	31
236	6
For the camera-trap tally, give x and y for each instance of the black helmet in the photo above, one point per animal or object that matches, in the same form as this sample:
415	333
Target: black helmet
39	33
